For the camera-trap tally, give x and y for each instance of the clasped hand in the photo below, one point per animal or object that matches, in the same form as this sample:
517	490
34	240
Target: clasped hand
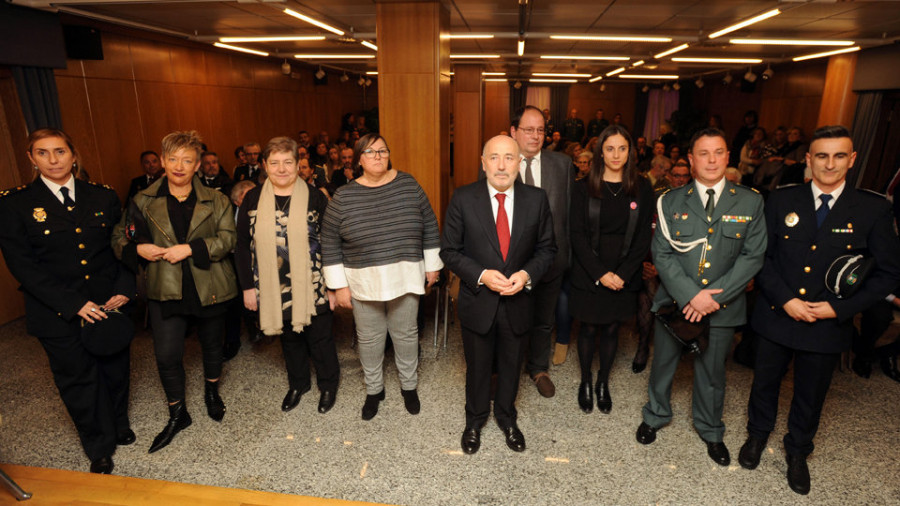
701	305
804	311
497	282
91	312
173	254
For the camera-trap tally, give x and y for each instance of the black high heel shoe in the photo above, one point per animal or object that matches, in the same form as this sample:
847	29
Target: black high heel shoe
585	397
179	419
604	401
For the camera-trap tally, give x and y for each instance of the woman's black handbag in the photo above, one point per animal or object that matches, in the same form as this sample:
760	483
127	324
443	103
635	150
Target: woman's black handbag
693	336
108	336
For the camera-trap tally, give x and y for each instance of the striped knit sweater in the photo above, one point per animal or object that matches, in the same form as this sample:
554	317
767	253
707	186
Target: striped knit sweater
380	241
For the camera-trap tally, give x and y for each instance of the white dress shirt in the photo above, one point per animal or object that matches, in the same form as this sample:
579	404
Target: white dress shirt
535	169
70	184
834	195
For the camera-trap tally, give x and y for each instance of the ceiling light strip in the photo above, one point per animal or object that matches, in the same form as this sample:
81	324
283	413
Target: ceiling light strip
595	79
520	47
553	80
496	80
717	60
558	74
827	53
303	17
742	24
574	57
493	73
648	76
271	39
241	49
614	38
334	56
792	42
474	56
470	36
671	51
614	72
369	45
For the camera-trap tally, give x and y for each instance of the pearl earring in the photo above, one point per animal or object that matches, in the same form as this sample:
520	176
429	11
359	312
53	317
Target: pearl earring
34	167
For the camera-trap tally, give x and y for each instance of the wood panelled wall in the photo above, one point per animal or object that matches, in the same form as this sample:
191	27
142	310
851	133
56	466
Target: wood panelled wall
496	110
617	98
144	88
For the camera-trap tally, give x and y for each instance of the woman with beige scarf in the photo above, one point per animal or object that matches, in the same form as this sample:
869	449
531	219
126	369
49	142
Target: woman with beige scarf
285	283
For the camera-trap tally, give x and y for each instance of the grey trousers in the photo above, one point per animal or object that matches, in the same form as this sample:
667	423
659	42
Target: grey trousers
709	382
374	319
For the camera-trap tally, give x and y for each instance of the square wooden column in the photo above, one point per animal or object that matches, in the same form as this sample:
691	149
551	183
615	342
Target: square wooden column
467	119
414	92
838	98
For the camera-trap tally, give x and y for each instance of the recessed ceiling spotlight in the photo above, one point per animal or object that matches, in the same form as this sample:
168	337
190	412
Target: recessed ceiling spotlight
727	79
361	81
645	89
750	77
345	78
768	73
517	85
676	86
286	68
602	87
320	73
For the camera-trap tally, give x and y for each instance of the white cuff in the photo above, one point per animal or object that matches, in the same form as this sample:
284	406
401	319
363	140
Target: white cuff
433	260
334	276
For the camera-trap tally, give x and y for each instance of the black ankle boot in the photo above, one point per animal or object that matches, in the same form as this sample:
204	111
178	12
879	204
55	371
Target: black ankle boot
179	419
215	408
586	397
641	355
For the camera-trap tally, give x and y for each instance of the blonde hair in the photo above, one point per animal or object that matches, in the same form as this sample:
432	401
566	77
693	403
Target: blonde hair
186	139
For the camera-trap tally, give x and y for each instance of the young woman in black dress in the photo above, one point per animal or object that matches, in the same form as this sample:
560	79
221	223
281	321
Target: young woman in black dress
610	236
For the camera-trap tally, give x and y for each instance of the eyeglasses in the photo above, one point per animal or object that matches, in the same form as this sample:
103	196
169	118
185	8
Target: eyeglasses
532	131
371	153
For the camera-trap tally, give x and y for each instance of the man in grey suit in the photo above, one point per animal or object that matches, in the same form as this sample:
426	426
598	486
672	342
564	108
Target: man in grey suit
553	173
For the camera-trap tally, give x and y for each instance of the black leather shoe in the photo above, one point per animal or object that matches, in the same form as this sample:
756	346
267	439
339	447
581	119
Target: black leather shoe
125	437
411	401
230	350
749	455
798	474
370	408
889	368
292	398
326	400
604	401
718	452
645	434
515	440
638	367
586	397
179	419
471	441
215	408
103	465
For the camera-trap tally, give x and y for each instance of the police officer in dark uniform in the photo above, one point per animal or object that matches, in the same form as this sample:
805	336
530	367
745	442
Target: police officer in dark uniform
797	317
56	242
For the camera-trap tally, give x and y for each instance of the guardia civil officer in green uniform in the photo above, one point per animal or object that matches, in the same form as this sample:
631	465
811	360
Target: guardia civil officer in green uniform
710	241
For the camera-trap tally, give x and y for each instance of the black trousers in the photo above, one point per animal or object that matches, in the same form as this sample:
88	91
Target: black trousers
315	342
812	377
94	390
168	345
875	321
503	347
545	295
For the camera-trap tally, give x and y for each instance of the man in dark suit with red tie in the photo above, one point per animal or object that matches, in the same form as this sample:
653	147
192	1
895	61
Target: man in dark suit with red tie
498	238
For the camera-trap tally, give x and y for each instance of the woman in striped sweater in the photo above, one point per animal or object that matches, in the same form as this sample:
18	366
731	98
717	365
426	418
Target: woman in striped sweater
380	244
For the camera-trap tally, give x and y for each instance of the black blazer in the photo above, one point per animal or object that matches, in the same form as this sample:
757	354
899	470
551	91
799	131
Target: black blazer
469	245
797	257
137	184
587	265
242	172
62	259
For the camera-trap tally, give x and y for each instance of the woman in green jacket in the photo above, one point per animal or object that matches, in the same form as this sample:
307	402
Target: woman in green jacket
182	232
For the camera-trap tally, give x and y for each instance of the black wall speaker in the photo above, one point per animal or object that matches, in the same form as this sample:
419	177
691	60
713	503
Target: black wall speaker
82	42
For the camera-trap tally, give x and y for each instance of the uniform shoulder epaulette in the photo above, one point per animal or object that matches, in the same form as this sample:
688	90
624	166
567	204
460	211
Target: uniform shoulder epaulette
11	191
665	192
873	192
101	185
750	188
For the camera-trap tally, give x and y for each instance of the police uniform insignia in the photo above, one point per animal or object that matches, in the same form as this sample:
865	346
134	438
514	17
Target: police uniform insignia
791	220
732	191
684	216
40	215
633	205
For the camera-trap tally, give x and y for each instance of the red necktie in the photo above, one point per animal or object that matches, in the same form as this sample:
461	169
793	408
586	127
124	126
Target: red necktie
502	225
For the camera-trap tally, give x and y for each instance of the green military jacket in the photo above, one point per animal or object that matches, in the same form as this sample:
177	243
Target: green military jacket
212	222
735	249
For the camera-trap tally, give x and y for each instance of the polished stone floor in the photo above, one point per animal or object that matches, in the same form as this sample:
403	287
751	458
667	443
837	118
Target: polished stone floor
397	458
